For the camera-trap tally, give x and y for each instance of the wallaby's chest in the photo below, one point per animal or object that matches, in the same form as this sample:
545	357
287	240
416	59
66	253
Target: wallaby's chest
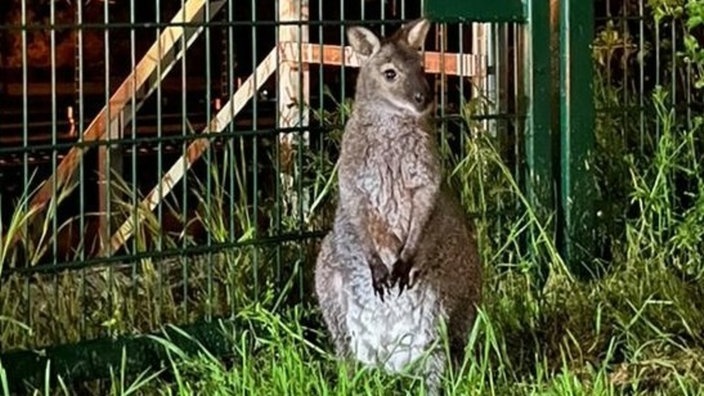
395	167
392	170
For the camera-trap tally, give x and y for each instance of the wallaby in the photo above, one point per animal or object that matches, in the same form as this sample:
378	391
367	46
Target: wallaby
396	222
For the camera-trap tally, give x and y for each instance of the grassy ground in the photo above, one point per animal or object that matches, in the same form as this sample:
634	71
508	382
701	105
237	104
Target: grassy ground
636	329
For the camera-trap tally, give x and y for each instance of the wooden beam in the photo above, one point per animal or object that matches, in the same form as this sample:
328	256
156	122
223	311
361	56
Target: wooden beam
196	149
466	65
110	162
480	81
479	48
293	84
140	83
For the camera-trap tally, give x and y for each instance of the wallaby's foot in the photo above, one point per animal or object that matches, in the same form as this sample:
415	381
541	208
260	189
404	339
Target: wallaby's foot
401	273
380	276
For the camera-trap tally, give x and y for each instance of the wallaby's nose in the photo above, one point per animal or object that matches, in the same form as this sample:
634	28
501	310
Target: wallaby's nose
419	97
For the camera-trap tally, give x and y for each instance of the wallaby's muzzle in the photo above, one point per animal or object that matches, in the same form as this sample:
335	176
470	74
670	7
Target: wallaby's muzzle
422	96
422	100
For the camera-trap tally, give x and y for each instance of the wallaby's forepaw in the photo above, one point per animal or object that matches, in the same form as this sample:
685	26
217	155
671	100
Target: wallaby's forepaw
380	276
401	273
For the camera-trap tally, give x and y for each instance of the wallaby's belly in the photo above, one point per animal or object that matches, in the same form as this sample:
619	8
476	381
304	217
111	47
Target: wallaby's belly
394	333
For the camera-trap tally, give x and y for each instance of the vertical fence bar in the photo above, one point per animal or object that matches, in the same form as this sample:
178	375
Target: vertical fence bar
293	93
231	162
626	113
577	137
54	141
518	37
134	199
462	99
81	164
209	163
109	161
255	121
25	142
343	74
641	76
441	78
658	70
502	87
303	139
491	77
479	79
555	89
538	133
159	162
673	64
278	163
688	93
109	158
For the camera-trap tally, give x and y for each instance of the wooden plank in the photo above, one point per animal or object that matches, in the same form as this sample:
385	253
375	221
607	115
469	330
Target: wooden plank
196	149
293	84
141	82
466	65
110	162
480	49
480	81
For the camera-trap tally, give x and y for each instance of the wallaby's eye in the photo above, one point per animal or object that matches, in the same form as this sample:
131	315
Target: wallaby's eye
390	74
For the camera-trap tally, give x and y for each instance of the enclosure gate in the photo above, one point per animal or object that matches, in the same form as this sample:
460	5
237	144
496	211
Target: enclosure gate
231	227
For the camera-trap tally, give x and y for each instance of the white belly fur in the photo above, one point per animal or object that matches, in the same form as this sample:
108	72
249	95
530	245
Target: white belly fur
393	333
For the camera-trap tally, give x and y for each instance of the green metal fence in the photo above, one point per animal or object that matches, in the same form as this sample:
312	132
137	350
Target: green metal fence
642	67
174	159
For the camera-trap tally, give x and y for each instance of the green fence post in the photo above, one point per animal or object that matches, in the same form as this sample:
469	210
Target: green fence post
538	131
535	87
577	134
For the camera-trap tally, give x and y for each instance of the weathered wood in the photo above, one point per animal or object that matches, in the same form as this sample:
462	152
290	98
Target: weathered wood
109	163
479	49
481	87
196	149
293	84
454	64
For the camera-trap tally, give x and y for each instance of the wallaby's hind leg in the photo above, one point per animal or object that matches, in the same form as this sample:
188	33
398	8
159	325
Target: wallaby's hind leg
329	279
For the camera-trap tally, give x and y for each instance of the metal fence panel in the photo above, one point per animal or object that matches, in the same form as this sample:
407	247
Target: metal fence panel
183	154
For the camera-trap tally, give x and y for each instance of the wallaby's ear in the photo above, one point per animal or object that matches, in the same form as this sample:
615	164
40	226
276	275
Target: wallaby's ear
363	40
416	32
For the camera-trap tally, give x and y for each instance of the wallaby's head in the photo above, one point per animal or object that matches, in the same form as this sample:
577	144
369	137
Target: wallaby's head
391	73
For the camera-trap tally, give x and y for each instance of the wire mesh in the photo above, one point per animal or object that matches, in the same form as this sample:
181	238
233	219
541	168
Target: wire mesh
639	45
640	58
